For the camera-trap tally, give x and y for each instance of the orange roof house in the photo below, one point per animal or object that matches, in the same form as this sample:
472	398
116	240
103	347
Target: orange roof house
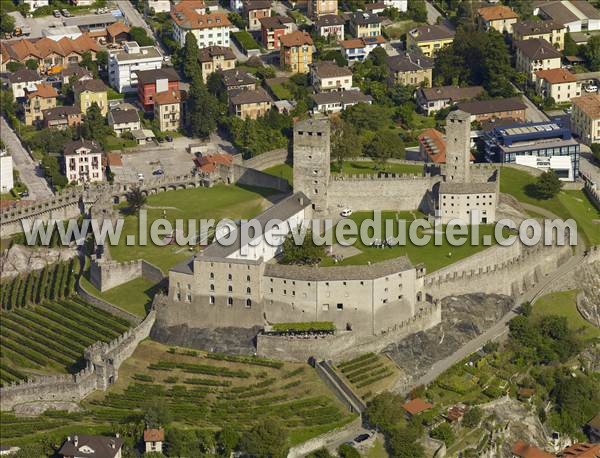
493	13
154	435
416	406
556	75
43	90
211	162
524	450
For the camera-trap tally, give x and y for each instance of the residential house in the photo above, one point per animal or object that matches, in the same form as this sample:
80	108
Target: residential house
88	92
456	413
249	103
330	26
558	83
23	80
123	120
318	8
91	446
62	117
237	79
50	55
208	164
168	110
158	6
328	76
575	15
7	180
34	4
153	440
536	54
432	99
364	25
336	101
124	65
42	98
375	8
484	110
523	450
358	49
272	28
209	28
499	17
585	121
73	73
429	38
215	58
416	406
400	5
410	69
254	11
152	82
551	31
117	33
296	53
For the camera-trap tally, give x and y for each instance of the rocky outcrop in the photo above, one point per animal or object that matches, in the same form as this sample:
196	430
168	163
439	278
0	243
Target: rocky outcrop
463	318
20	259
588	299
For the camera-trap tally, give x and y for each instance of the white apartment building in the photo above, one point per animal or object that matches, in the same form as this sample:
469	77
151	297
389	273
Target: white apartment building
83	161
35	4
585	118
557	83
123	65
536	54
23	80
6	172
209	27
159	6
400	5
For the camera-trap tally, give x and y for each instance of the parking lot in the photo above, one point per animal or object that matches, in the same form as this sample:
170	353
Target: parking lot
172	161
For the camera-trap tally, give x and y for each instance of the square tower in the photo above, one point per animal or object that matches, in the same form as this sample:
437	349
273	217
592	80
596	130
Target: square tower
312	150
458	147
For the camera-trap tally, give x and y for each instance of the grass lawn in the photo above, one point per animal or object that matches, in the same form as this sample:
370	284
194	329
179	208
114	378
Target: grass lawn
218	202
111	143
563	303
397	29
281	92
567	204
378	450
134	296
434	257
284	171
246	40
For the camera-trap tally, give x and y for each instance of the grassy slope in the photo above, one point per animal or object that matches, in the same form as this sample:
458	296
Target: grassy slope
563	303
134	296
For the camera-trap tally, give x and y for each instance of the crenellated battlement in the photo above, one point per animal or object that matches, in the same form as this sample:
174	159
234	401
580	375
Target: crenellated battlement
382	176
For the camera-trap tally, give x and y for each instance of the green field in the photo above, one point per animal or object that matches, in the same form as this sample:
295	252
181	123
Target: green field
284	171
564	303
567	204
199	393
434	257
218	202
135	296
51	337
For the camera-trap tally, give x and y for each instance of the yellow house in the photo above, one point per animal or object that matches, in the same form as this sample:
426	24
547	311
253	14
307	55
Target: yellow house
551	31
296	53
43	98
89	92
429	38
500	17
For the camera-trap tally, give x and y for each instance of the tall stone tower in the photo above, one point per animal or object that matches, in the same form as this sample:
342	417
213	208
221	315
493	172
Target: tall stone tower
312	151
458	147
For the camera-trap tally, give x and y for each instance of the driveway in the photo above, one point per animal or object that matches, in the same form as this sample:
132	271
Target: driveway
29	172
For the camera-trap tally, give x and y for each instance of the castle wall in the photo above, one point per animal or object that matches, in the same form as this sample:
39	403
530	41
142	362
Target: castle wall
266	160
369	192
244	176
105	274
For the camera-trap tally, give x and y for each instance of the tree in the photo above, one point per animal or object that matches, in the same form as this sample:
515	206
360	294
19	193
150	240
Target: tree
157	414
402	443
181	442
347	451
237	20
385	145
227	441
189	61
216	86
139	35
94	126
320	453
135	201
14	66
596	150
548	185
525	308
571	48
384	412
444	433
345	141
472	417
203	110
417	11
206	442
32	64
591	53
7	23
308	253
266	439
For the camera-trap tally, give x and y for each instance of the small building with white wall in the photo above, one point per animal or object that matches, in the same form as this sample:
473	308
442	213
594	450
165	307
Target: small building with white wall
6	172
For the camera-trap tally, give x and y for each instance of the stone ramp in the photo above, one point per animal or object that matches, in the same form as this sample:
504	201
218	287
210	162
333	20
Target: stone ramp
343	392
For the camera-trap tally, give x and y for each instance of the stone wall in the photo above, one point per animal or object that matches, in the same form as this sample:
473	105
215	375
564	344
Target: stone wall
245	176
505	272
105	274
266	160
106	306
593	193
103	361
344	345
370	192
324	440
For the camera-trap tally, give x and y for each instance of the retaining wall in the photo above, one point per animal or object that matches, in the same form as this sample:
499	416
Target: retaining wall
106	275
266	160
106	306
324	440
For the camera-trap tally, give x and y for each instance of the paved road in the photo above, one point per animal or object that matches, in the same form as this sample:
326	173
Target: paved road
133	16
30	173
432	14
501	328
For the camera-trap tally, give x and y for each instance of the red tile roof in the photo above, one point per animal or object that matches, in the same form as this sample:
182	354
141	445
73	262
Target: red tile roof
210	162
43	90
556	75
154	435
582	451
416	406
297	38
524	450
496	13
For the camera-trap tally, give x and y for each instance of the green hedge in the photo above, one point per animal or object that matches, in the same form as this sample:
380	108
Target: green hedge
308	326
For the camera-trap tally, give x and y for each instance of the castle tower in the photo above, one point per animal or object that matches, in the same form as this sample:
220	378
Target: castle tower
312	150
458	147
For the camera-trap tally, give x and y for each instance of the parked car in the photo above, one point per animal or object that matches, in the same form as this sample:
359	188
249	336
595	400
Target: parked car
24	194
169	138
591	88
346	212
65	12
158	172
56	13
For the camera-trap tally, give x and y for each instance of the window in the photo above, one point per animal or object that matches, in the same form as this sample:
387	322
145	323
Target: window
211	299
212	287
248	278
229	277
230	289
325	307
248	303
247	290
340	306
229	301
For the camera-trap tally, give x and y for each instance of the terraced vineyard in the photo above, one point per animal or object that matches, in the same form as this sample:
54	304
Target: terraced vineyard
368	374
51	336
200	391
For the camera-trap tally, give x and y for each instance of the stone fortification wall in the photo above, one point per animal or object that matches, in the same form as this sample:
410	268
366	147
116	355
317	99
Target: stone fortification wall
266	160
107	274
245	176
103	361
